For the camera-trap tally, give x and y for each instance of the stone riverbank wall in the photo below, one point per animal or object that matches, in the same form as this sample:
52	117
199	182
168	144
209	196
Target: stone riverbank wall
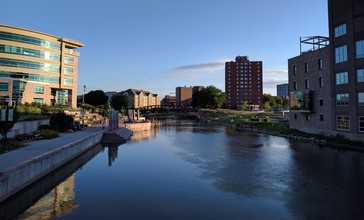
140	126
21	175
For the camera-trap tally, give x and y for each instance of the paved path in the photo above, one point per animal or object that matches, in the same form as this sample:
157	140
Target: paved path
38	147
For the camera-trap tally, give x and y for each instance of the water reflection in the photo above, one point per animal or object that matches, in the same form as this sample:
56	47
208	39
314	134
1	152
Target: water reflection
58	186
58	202
192	171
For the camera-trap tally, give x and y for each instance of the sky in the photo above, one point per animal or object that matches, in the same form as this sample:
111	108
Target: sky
158	45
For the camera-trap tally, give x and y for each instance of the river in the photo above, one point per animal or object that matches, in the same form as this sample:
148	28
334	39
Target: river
185	170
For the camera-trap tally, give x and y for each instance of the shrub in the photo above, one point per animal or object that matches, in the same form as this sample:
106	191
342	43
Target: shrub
60	121
44	127
48	134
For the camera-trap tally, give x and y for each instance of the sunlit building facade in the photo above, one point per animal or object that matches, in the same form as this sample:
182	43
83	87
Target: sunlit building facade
244	83
140	98
37	67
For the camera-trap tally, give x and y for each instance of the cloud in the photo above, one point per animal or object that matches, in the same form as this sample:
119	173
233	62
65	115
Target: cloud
276	71
273	82
189	71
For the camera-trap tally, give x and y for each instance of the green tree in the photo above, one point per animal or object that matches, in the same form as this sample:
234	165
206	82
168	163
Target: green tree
245	106
96	98
60	121
119	101
266	106
209	97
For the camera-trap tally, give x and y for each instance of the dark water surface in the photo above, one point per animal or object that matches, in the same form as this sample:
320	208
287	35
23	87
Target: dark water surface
191	171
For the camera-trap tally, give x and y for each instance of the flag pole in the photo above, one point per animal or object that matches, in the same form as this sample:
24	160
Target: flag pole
83	106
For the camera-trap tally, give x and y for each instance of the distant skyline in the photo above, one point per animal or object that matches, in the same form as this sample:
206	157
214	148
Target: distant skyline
162	44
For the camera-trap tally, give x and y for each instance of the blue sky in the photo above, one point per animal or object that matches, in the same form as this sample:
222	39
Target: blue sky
162	44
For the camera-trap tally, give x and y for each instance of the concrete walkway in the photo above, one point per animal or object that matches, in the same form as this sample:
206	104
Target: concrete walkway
39	147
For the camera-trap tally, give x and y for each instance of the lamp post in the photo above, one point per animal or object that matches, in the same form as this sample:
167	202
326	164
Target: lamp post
6	122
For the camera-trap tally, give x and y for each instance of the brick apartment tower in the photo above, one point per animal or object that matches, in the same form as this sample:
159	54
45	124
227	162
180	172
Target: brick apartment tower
346	31
244	83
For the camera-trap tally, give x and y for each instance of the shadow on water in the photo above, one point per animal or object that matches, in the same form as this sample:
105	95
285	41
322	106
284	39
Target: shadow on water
310	182
20	202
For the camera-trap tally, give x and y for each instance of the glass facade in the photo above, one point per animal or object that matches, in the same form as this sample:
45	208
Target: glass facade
4	86
301	101
38	100
43	78
68	81
29	40
68	60
29	65
361	98
29	52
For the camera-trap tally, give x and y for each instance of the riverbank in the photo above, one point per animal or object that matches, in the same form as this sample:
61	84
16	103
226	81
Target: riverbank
20	168
275	124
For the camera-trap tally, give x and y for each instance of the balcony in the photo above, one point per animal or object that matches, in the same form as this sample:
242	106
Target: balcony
302	101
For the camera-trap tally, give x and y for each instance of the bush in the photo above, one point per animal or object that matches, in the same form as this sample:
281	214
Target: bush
60	121
48	134
44	127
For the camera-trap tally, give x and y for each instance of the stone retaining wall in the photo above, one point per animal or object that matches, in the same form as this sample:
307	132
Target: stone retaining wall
16	178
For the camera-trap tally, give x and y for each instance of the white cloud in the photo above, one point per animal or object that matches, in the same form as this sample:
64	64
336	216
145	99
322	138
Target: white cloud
190	71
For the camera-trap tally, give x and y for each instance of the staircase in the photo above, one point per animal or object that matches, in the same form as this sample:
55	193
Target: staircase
116	138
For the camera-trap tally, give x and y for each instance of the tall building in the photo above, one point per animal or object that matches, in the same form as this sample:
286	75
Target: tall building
282	90
309	79
37	67
184	94
244	83
346	30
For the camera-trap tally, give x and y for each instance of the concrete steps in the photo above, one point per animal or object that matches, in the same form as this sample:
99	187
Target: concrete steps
116	138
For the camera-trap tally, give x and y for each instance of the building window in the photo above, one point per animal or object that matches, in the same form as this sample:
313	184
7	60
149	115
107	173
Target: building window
361	124
294	85
321	82
340	30
68	60
308	117
341	78
294	69
4	86
321	102
360	49
321	117
306	67
68	70
341	54
360	75
38	100
68	81
39	89
343	123
320	64
361	98
295	116
307	83
342	99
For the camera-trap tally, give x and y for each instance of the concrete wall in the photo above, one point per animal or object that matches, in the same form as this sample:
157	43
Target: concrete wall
24	127
136	126
16	178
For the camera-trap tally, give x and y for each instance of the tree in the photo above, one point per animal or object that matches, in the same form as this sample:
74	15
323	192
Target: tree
96	98
245	106
119	101
209	97
60	121
266	106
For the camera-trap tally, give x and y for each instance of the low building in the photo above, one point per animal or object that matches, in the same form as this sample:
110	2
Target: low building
169	100
310	87
141	98
184	94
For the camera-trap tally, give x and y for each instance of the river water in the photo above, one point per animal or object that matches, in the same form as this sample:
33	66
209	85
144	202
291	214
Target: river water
185	170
